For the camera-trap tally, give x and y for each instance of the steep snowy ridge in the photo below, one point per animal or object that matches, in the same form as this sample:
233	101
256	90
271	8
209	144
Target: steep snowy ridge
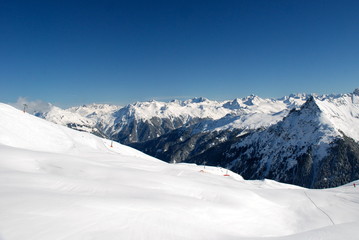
57	183
293	136
295	149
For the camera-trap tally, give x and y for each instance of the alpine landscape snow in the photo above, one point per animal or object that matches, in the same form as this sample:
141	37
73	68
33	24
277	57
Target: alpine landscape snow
304	139
59	183
179	120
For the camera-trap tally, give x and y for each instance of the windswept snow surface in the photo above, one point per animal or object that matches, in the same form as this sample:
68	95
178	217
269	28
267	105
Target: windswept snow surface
57	183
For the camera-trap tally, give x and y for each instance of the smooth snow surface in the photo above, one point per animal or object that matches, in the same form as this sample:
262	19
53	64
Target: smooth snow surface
57	183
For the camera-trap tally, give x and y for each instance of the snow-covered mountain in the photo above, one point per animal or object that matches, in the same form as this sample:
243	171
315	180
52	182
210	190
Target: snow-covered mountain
57	183
89	118
283	139
315	145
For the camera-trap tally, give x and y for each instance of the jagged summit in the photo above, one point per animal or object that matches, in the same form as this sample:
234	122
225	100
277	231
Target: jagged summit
251	100
310	106
235	104
198	100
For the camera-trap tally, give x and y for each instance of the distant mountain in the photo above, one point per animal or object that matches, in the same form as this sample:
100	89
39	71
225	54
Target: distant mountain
143	121
247	114
91	118
308	140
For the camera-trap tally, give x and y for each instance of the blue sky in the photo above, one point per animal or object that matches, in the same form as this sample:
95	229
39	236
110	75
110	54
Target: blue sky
78	52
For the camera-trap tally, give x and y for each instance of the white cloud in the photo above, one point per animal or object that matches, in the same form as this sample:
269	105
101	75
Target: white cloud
32	106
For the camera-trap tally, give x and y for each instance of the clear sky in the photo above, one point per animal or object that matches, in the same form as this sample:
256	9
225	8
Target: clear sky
78	52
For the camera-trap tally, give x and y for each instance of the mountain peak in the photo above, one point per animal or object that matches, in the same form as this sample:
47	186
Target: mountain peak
311	104
235	104
198	100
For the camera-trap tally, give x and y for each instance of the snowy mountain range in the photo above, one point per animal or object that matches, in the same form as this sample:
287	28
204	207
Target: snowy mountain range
308	140
143	121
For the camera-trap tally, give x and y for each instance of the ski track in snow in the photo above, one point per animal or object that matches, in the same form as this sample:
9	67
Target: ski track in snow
306	194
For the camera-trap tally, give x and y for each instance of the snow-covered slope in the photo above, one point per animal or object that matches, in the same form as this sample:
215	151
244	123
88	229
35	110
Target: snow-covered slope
57	183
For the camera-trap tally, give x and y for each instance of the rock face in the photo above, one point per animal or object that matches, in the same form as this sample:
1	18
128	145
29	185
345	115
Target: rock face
340	166
139	130
182	145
